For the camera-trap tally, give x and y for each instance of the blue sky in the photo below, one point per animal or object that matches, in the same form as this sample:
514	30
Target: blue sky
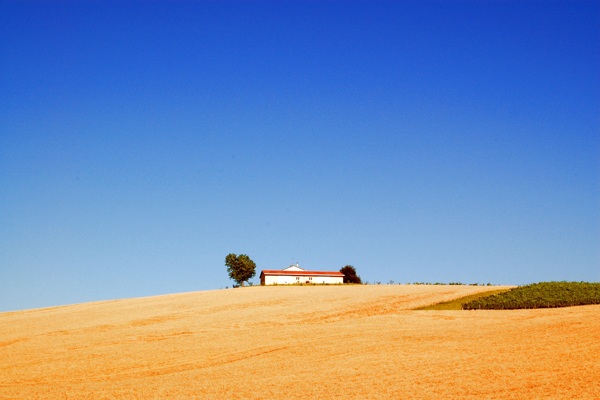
141	142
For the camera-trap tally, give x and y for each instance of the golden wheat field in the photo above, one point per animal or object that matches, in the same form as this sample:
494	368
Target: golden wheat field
309	342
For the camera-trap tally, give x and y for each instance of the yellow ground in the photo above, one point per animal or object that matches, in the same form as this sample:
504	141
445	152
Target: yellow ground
301	342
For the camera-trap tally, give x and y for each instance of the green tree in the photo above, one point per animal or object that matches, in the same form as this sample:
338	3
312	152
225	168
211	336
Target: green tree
240	268
350	275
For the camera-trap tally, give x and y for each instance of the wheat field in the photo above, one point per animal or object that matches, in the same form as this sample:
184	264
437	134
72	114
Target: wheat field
316	342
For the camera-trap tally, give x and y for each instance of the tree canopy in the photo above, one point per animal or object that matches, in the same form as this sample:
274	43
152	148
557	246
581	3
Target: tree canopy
350	274
240	268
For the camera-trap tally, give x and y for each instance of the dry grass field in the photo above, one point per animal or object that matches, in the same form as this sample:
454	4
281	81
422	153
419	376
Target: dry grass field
299	342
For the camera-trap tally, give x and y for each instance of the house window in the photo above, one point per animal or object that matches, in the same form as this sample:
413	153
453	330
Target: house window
297	278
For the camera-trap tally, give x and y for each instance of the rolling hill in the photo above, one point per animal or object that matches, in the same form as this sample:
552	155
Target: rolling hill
348	342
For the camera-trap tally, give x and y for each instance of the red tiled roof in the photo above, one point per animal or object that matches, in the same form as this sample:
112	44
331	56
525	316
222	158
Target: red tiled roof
300	273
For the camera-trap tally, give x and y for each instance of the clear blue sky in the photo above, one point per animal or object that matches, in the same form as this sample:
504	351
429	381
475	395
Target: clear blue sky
141	142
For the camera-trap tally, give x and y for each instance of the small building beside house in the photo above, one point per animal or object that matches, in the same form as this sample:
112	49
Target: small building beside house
295	274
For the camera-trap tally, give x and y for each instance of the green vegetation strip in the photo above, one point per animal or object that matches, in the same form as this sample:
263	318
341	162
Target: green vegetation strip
456	304
539	295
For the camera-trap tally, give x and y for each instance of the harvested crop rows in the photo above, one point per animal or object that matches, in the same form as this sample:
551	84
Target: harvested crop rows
349	342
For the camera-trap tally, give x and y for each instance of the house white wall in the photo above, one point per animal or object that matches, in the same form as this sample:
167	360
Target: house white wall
328	279
291	279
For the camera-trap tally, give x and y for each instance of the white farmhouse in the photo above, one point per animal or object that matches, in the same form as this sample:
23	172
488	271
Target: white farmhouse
295	274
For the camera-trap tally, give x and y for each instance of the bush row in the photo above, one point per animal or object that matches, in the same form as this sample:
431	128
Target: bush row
540	295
